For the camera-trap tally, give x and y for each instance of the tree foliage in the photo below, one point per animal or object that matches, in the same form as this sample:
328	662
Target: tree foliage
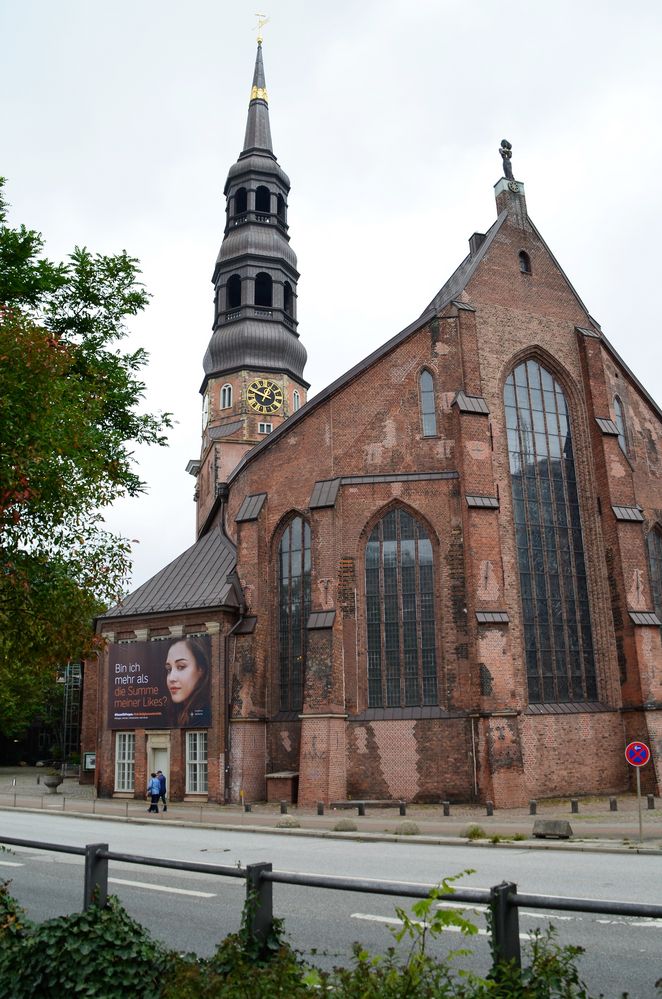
69	421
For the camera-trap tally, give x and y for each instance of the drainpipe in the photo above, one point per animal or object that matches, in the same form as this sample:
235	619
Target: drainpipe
473	753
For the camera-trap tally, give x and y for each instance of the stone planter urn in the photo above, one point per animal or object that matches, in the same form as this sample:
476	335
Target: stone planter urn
51	782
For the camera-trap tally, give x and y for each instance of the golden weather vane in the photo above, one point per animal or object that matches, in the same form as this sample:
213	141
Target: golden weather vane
262	19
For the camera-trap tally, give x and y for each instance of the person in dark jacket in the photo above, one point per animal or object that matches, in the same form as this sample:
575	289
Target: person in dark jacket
162	786
154	792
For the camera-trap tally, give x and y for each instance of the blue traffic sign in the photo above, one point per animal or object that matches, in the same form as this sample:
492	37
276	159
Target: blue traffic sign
637	754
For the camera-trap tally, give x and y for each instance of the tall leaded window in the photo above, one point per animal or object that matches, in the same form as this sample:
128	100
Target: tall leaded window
399	583
619	420
125	755
428	408
654	545
196	763
555	610
226	396
293	611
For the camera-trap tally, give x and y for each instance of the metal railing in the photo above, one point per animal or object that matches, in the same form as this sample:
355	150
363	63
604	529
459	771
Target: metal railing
503	900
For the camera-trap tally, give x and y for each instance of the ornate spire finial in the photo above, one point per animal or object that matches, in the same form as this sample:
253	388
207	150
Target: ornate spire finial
506	152
262	19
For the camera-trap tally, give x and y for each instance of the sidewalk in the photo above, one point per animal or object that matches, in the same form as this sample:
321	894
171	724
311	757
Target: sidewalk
594	827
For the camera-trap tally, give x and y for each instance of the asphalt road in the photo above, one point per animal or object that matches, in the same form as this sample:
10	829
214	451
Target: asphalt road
194	911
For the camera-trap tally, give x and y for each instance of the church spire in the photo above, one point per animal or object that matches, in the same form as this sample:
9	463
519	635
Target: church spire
253	366
258	131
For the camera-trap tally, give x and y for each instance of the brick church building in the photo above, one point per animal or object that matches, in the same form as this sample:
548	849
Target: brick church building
441	577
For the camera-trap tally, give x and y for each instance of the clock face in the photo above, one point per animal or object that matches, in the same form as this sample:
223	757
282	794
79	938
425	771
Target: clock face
264	396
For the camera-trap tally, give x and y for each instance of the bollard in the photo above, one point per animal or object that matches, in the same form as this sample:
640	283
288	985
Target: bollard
505	923
489	808
361	807
533	807
403	808
96	875
651	801
283	808
447	807
247	806
259	904
320	808
613	805
574	806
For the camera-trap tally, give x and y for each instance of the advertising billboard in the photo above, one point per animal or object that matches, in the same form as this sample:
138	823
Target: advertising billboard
159	684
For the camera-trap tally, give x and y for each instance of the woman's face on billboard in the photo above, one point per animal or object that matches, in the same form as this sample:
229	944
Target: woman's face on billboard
182	672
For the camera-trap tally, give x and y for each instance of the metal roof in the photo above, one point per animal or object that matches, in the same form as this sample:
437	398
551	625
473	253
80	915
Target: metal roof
196	579
258	132
260	344
492	617
250	508
628	513
471	404
607	426
217	433
321	619
645	617
486	502
325	493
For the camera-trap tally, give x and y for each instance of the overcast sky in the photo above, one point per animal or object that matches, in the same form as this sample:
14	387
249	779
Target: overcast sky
120	122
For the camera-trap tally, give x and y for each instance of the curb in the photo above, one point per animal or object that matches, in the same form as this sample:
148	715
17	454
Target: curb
572	846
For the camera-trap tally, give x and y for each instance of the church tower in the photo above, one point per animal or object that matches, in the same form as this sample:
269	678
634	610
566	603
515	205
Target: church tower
253	366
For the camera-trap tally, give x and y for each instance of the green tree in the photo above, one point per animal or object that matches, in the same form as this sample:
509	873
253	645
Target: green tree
69	421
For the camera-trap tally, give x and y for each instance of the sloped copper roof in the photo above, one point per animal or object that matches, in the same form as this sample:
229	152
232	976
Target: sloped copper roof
198	578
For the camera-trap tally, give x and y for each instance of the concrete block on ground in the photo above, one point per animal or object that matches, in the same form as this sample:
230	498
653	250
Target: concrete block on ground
552	829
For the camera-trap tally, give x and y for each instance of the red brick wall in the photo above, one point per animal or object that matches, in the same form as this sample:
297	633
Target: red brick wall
482	743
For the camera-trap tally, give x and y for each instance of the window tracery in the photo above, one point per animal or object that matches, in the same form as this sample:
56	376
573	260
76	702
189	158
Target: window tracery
548	533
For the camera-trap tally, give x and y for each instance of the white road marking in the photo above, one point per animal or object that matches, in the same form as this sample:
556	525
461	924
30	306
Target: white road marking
394	921
646	922
477	909
10	863
173	891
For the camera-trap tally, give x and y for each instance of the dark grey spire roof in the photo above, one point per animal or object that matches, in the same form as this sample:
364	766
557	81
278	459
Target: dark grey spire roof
251	332
251	343
258	131
196	579
262	241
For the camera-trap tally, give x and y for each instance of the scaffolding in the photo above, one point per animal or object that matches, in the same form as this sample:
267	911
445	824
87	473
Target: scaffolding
73	676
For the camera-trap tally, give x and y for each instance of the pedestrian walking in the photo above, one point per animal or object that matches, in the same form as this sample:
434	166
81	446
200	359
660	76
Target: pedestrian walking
154	792
162	792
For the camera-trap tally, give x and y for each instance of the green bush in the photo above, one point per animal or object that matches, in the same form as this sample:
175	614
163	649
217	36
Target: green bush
101	952
104	954
474	832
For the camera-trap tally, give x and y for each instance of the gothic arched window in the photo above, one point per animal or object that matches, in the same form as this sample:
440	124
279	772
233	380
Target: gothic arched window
296	401
226	396
233	300
428	408
654	545
555	610
263	290
293	611
399	584
619	420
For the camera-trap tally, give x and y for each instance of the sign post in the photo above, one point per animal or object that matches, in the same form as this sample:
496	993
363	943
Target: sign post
638	754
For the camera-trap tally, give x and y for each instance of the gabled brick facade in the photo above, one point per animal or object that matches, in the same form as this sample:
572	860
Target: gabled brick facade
357	452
